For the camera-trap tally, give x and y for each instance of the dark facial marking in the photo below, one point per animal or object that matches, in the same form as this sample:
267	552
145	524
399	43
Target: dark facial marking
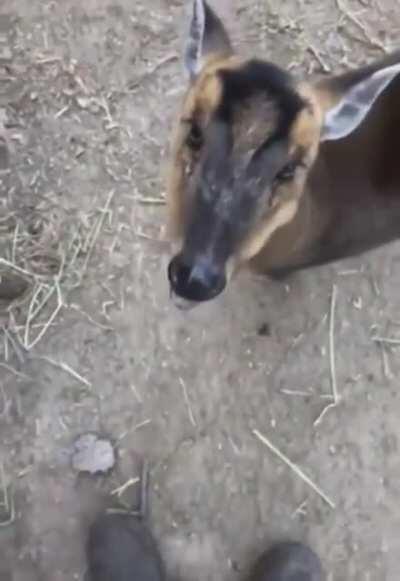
195	137
260	78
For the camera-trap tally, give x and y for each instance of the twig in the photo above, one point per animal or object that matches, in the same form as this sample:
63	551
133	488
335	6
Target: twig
9	264
136	393
14	245
65	367
145	236
387	340
31	307
48	60
350	272
375	286
302	509
34	326
360	25
332	343
149	201
104	308
96	231
187	401
296	469
334	396
296	392
25	471
14	371
50	321
110	121
387	372
316	54
124	487
61	112
13	325
137	82
134	429
140	425
14	343
90	318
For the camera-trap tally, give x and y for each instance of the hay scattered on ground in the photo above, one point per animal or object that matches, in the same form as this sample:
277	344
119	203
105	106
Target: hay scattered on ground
46	261
45	248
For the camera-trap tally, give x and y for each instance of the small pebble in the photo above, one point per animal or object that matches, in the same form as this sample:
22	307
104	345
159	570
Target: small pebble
93	454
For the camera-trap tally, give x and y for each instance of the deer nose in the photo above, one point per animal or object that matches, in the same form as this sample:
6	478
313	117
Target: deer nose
198	280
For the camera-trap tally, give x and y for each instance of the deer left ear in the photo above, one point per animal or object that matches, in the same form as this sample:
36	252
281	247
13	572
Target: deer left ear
352	101
207	36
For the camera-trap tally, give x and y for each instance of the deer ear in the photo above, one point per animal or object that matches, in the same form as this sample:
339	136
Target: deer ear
350	102
207	36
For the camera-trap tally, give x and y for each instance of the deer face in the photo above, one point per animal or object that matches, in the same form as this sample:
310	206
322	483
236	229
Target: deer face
246	139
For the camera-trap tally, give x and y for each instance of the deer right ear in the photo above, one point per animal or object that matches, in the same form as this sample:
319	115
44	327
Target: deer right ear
207	36
353	100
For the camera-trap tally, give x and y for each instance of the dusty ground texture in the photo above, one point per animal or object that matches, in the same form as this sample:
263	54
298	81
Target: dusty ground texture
87	94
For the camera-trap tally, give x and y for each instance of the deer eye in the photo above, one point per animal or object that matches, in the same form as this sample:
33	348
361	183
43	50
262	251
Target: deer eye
287	172
194	139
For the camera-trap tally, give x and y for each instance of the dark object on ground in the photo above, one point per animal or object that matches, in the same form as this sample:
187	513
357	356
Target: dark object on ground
121	548
12	286
288	562
264	330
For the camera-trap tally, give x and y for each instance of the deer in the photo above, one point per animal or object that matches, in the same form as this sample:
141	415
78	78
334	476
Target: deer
274	173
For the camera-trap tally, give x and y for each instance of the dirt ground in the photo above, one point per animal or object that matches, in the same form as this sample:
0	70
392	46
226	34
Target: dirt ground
87	95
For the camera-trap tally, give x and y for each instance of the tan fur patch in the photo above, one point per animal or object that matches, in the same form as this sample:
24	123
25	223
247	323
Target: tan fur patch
201	99
284	212
175	184
323	95
305	131
204	96
304	136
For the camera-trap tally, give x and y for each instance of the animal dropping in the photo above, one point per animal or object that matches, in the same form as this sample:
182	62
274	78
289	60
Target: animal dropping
276	173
